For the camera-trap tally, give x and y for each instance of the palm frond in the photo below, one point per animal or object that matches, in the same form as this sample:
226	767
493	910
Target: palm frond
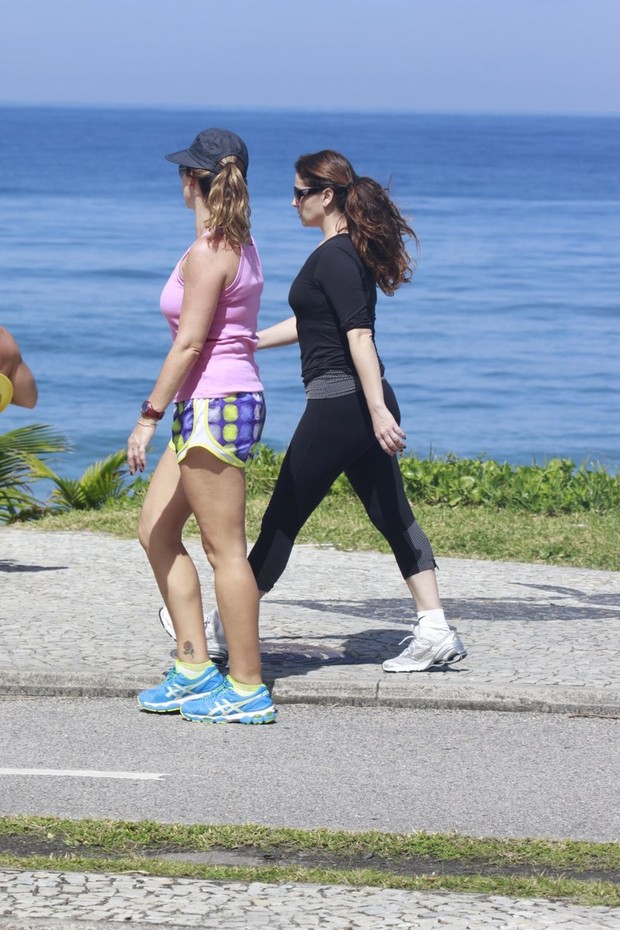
16	504
100	482
105	480
36	438
27	440
22	454
16	499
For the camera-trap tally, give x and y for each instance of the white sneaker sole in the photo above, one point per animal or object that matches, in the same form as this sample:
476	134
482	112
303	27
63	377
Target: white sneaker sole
450	657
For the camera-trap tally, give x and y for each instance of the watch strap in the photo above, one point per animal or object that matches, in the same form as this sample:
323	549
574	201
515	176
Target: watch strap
148	410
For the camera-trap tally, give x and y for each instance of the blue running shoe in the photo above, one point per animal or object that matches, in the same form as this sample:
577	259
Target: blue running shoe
175	690
228	706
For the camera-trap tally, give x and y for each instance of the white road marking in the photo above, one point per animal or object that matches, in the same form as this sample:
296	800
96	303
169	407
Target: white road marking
86	773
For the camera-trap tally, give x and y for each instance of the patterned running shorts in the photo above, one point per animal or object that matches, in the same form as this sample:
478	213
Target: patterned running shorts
229	427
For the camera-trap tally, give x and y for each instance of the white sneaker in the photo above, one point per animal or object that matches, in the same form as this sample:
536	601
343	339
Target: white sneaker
422	653
216	639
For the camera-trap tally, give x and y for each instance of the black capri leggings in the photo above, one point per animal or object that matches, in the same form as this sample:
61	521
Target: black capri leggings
335	435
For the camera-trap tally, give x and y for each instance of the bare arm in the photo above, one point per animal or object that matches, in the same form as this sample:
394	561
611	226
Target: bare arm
206	272
25	392
283	333
390	436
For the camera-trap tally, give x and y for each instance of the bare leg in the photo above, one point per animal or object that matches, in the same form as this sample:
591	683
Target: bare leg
164	514
424	590
216	493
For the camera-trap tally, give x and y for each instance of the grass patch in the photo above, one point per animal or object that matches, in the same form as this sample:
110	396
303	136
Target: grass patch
584	540
556	514
587	873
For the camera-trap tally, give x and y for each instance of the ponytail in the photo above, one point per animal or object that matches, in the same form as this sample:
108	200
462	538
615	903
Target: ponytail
377	228
227	199
378	231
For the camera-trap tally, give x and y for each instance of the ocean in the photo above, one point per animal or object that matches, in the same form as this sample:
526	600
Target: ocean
505	345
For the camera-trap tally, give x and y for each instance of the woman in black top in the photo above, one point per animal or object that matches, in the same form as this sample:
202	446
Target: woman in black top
351	423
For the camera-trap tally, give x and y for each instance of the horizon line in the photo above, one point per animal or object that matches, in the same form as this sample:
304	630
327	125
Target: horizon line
371	111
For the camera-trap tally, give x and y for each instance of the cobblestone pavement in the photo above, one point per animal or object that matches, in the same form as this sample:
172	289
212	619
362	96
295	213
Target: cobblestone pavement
47	900
538	636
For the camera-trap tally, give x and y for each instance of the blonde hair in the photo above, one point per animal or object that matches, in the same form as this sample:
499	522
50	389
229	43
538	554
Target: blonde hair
227	199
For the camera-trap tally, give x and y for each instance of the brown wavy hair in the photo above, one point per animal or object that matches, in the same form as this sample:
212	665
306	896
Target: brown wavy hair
227	199
377	228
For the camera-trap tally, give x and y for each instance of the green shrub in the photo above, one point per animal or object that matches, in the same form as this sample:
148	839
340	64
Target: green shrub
557	487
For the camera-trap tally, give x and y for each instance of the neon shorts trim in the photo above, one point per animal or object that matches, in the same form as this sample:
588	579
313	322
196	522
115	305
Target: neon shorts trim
229	427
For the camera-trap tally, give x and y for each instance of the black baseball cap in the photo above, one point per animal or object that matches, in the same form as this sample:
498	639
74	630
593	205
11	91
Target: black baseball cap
208	149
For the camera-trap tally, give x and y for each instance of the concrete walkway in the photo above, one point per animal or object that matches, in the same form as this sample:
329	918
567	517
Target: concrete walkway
77	609
86	901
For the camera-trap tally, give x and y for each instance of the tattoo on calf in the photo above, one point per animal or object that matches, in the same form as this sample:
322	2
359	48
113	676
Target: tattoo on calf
188	648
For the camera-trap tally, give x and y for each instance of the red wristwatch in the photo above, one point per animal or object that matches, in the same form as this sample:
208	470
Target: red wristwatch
148	410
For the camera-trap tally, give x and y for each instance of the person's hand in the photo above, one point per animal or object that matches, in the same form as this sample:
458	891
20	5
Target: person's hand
138	443
389	435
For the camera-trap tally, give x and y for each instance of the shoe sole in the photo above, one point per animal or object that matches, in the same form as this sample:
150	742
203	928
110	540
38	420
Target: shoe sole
437	663
266	718
172	710
159	710
451	659
220	657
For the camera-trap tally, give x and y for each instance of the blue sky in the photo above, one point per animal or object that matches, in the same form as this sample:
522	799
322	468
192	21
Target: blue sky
498	56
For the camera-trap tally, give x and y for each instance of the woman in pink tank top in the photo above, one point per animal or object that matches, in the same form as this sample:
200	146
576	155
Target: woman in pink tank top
211	303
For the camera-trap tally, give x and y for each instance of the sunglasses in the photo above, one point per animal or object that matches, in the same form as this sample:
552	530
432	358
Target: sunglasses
300	192
183	170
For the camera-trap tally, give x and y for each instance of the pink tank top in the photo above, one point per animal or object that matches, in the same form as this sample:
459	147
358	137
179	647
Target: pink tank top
226	364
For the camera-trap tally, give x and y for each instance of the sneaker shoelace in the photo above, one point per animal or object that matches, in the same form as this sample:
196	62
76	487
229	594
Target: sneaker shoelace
417	642
413	641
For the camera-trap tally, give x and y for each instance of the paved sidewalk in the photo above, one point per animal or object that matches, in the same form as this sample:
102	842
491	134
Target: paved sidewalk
77	608
83	901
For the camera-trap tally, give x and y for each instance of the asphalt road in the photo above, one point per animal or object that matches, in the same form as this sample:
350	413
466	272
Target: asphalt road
477	773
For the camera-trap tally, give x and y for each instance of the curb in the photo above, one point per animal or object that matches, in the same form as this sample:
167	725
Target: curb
406	692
